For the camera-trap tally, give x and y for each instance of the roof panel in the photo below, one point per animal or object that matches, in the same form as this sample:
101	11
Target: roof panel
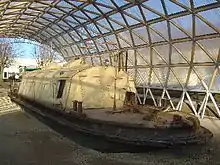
155	5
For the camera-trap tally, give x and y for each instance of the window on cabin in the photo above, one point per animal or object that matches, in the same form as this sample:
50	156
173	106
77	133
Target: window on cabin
5	74
61	84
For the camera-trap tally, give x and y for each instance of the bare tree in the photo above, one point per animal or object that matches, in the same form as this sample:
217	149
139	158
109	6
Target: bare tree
7	55
45	55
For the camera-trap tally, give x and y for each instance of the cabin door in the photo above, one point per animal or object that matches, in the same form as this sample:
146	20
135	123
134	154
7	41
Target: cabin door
61	94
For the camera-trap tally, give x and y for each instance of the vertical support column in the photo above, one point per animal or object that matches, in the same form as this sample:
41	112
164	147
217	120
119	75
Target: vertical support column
191	103
135	66
122	61
171	103
180	103
126	61
205	105
162	96
145	94
135	75
116	56
135	72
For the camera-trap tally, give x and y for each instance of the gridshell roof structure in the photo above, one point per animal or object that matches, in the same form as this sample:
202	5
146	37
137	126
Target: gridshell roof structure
170	44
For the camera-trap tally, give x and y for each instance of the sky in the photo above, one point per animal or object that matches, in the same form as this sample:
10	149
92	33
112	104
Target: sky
25	50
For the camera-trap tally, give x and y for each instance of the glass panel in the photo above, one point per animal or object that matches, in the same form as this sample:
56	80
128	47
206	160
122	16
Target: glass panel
51	31
176	57
131	59
91	15
181	73
205	72
126	37
76	50
141	33
92	9
194	82
149	15
61	40
80	14
176	33
106	3
216	83
202	28
92	29
138	40
115	25
156	58
104	9
172	7
64	5
161	74
212	46
121	3
69	51
145	53
123	42
111	42
142	76
82	32
163	50
173	82
105	27
156	5
77	3
198	3
135	12
71	21
185	2
184	22
49	16
118	18
154	80
101	44
201	56
68	38
56	28
130	20
212	16
185	48
162	28
155	37
75	36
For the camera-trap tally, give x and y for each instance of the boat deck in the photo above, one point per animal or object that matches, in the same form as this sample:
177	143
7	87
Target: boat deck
145	120
106	115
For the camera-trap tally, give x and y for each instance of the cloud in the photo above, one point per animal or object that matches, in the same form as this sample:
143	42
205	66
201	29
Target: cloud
25	62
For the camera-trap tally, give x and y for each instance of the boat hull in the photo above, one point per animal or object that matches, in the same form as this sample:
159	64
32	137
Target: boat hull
116	132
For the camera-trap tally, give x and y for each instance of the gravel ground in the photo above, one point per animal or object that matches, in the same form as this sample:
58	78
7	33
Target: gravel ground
25	140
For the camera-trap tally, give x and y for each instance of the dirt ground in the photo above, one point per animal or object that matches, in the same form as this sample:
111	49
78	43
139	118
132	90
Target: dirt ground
25	140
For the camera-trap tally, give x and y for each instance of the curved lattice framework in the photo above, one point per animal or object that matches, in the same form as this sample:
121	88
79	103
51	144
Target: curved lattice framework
170	44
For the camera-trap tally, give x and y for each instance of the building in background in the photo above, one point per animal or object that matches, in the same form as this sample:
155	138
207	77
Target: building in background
17	67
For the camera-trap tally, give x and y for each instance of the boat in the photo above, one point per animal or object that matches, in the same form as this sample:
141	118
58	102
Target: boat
101	101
